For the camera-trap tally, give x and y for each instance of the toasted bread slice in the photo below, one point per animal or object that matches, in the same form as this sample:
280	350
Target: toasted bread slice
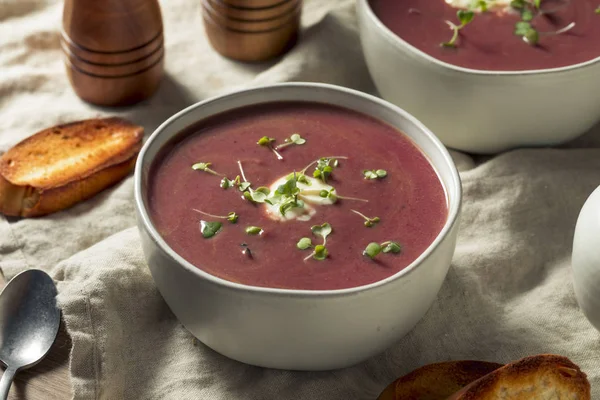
60	166
437	381
542	377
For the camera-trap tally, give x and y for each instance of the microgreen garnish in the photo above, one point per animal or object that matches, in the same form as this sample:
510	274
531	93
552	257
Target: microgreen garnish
210	228
205	166
328	194
529	34
247	192
481	4
267	142
319	251
254	230
321	172
374	173
231	216
597	10
304	243
293	139
464	17
324	168
373	248
529	9
286	196
227	183
369	222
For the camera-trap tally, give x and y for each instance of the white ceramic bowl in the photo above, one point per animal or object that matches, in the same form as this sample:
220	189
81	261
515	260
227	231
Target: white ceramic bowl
586	259
299	329
480	111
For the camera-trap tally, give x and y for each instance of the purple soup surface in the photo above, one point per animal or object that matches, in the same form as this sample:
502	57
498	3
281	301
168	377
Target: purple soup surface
489	42
410	201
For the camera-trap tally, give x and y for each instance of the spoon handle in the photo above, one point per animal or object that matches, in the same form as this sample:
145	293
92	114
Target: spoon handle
6	381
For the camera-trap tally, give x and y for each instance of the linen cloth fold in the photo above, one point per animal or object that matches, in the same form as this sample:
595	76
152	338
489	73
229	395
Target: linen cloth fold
508	293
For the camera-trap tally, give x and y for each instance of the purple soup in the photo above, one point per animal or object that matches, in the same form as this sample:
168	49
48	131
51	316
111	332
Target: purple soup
491	40
407	205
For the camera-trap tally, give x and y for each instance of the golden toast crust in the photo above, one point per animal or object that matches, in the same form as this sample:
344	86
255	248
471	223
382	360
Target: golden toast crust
437	381
542	377
60	166
65	153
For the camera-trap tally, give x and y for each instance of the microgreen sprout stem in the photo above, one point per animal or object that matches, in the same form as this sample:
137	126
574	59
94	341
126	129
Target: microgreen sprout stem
293	139
267	142
464	16
369	222
373	249
239	163
231	216
205	166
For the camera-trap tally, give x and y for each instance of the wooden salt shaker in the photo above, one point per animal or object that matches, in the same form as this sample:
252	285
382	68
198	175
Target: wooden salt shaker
252	30
113	49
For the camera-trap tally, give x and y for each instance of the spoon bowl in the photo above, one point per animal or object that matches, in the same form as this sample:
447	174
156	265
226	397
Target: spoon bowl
29	322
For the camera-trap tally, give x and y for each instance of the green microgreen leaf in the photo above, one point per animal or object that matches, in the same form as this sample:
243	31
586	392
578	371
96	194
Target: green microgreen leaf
320	252
204	166
227	183
537	3
531	37
210	228
465	16
526	15
260	194
243	186
521	28
517	4
304	243
392	247
321	230
266	141
597	10
232	217
481	4
254	230
372	250
374	173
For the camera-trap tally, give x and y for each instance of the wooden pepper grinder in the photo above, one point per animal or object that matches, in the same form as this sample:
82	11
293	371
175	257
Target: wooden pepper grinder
113	49
252	30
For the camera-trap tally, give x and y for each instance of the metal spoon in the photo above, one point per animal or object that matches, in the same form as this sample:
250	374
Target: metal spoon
29	321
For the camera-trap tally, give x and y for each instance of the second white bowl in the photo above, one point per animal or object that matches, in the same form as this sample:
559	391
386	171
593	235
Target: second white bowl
480	111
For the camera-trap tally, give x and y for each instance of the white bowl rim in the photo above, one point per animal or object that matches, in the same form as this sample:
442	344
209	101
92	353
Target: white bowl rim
453	208
398	42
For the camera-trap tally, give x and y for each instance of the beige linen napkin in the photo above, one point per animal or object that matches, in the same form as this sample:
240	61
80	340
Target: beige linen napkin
508	294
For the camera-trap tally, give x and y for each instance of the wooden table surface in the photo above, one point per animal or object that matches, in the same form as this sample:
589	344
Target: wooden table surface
48	380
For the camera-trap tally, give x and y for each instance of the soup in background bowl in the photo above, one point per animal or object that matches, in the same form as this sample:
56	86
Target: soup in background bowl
313	253
490	90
